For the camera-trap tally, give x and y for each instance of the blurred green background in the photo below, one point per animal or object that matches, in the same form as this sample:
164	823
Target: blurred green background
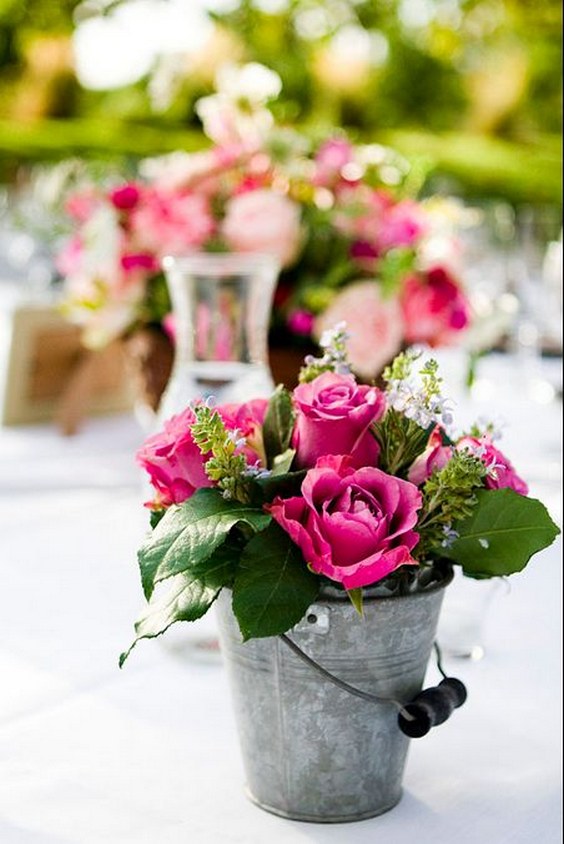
471	89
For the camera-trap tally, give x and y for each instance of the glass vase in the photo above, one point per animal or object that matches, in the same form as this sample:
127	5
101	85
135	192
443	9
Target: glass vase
221	307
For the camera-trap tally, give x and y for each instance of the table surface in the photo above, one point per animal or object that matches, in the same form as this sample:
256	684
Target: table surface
92	754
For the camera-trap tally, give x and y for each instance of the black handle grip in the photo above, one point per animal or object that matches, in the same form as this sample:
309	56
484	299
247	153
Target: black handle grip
431	707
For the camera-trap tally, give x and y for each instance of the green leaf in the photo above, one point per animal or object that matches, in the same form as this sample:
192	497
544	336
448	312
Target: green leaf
278	424
273	587
286	485
355	596
155	517
392	269
189	533
282	462
186	596
502	534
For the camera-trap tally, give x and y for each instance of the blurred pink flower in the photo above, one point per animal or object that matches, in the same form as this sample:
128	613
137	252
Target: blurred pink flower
375	326
330	159
82	204
263	221
301	322
434	308
69	260
171	223
125	197
139	261
401	225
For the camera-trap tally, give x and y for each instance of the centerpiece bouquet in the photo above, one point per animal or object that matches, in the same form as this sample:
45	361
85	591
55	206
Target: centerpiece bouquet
352	241
335	484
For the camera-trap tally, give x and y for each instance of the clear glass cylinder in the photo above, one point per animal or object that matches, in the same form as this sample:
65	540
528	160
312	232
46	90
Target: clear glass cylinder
221	305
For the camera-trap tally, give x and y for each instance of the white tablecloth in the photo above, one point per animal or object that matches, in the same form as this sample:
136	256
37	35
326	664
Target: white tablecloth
91	754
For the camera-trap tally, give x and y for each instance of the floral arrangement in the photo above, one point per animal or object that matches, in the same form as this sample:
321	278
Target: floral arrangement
336	483
352	242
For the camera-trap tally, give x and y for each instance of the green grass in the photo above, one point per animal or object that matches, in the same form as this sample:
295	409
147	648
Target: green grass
481	166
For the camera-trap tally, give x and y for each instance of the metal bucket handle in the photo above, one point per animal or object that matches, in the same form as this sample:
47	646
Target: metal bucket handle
429	708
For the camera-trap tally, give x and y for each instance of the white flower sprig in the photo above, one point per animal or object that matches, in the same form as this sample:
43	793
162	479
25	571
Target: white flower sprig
333	341
417	396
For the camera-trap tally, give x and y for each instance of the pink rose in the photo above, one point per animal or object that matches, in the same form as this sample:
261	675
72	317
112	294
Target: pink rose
247	419
501	474
263	221
334	415
435	457
173	461
434	308
354	526
375	326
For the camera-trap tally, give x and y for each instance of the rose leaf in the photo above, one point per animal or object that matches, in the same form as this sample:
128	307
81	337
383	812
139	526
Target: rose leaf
273	586
503	532
189	533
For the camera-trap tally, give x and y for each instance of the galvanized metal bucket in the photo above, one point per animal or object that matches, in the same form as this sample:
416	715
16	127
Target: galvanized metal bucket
311	750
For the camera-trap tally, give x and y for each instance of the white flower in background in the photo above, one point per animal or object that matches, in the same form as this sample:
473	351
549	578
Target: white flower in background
444	220
252	83
100	237
237	113
179	169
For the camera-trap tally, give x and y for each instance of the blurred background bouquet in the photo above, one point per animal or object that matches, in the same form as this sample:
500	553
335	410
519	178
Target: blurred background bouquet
351	240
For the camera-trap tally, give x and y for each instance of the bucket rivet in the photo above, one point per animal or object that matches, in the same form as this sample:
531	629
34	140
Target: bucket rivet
312	618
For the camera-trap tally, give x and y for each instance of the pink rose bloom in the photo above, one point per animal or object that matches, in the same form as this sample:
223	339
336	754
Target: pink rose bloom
501	474
354	526
247	419
169	222
435	457
334	415
125	197
263	221
375	326
173	461
434	308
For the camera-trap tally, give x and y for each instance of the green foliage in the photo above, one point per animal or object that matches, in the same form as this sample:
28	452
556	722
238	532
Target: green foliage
501	534
186	596
189	533
278	425
226	469
273	587
401	440
393	268
449	496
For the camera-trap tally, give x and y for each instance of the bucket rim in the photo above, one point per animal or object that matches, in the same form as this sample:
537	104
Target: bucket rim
331	594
